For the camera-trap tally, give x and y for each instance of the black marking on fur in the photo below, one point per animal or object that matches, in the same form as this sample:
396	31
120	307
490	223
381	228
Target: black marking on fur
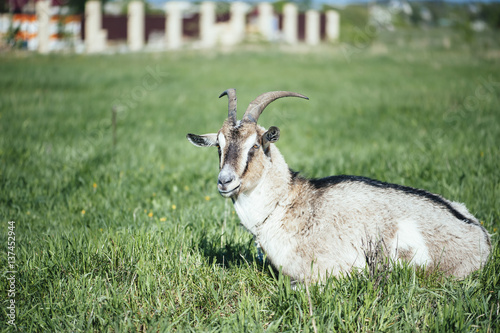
273	134
198	139
231	156
321	183
251	154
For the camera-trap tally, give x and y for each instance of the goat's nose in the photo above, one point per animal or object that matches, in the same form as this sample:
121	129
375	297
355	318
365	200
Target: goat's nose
225	178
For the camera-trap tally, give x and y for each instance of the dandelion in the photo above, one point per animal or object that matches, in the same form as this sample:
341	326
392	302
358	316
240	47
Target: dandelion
482	223
482	154
186	188
150	214
174	207
28	212
163	219
100	229
94	185
83	211
207	198
494	229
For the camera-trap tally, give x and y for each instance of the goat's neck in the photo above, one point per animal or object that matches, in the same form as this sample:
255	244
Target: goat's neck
257	205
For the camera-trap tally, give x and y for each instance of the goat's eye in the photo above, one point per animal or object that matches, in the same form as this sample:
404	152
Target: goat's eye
256	146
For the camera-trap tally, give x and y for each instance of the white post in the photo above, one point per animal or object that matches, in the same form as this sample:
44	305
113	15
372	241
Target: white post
332	25
43	18
265	20
290	12
238	22
135	25
174	25
95	37
207	24
5	23
312	27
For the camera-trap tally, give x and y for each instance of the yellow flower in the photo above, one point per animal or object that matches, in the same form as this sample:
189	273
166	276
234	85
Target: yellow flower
28	212
482	154
494	229
186	188
174	207
207	198
100	229
150	214
83	211
482	223
163	219
94	185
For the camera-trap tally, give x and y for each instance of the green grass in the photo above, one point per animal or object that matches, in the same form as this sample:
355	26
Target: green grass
136	238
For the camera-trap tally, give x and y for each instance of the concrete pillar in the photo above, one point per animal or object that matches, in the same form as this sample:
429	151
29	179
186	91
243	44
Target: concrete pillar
174	24
135	25
5	23
332	25
312	27
265	20
43	18
238	22
95	36
207	24
290	23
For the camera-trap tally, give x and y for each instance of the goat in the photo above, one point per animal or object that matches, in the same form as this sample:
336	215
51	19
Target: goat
314	228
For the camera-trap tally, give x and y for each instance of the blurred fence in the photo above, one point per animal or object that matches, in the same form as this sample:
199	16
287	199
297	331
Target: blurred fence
184	24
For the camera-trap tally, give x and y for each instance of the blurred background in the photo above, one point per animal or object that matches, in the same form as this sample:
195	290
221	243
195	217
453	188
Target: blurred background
123	25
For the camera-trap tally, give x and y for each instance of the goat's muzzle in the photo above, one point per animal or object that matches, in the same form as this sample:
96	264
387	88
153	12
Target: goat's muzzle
228	183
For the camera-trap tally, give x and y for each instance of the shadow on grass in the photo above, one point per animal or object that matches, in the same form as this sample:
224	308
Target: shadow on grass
232	253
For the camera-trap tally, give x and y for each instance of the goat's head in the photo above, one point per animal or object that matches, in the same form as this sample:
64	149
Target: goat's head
244	146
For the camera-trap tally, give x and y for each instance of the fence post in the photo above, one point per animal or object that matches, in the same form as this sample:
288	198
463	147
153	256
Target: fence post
290	23
237	22
265	20
207	24
312	27
174	25
43	18
95	36
332	25
135	25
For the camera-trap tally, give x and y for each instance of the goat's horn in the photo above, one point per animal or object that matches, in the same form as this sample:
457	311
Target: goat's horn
231	104
258	105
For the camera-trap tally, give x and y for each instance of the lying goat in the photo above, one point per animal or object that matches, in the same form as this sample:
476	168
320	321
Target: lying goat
313	228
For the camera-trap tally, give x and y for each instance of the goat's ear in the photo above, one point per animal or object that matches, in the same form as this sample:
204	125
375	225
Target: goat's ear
271	136
205	140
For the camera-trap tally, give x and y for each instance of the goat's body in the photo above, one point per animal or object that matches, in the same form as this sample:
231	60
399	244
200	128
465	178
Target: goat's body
312	228
315	228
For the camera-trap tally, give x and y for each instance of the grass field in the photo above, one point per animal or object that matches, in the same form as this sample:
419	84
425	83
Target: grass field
129	233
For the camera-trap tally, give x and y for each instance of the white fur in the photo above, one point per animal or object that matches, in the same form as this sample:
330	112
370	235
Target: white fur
221	140
410	238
